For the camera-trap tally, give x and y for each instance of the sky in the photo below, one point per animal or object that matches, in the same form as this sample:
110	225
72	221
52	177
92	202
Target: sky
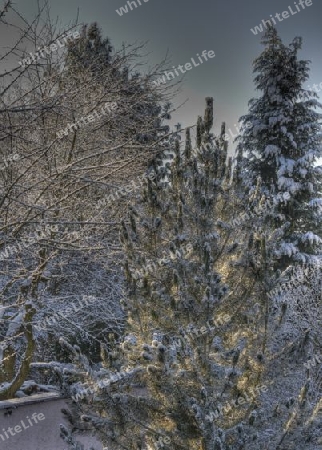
183	28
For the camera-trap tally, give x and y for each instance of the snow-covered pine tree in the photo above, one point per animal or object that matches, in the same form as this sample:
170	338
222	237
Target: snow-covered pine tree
175	290
282	147
194	352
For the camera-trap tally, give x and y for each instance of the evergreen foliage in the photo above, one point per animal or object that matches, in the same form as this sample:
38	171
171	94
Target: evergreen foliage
283	145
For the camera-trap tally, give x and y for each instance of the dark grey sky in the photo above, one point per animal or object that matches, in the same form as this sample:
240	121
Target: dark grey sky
186	27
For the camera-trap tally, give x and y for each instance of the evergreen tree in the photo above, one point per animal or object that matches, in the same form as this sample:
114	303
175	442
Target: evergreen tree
90	51
92	57
192	358
282	147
